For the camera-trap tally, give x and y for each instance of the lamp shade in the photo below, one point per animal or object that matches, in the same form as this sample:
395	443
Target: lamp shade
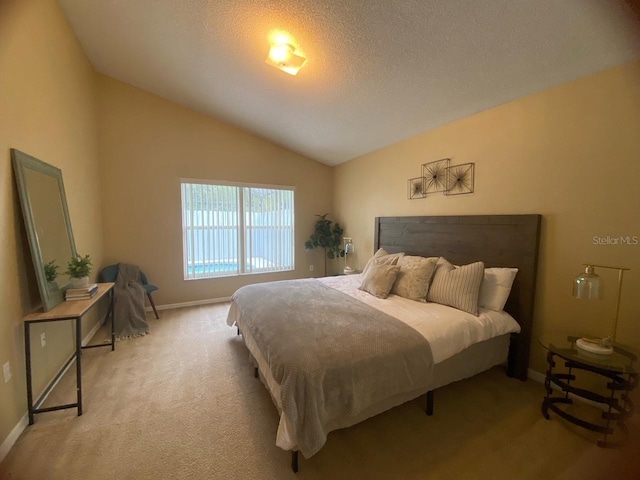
349	248
586	286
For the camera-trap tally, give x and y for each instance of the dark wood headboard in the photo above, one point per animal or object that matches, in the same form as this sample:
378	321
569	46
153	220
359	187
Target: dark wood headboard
497	240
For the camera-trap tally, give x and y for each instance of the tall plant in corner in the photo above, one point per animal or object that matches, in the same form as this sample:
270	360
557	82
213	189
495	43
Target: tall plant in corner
328	236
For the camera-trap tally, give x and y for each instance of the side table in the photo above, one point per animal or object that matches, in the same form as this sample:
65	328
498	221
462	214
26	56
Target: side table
73	310
620	370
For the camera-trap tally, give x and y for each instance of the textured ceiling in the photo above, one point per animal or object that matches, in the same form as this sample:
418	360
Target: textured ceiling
378	71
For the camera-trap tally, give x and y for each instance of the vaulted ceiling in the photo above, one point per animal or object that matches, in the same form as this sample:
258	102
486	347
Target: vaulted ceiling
377	71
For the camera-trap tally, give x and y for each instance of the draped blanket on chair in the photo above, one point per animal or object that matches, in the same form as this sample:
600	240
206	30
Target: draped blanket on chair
130	316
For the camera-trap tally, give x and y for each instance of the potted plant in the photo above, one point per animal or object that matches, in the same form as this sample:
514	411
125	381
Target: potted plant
50	274
78	268
328	236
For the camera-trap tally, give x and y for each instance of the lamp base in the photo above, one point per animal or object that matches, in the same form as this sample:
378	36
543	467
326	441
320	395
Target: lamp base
591	347
348	270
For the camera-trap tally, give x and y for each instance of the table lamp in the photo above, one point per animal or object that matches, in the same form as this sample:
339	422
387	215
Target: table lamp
349	248
586	286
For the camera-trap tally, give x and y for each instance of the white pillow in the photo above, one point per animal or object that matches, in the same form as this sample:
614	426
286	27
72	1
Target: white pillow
496	287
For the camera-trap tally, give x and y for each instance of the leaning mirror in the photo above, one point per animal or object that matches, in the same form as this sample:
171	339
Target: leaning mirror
46	217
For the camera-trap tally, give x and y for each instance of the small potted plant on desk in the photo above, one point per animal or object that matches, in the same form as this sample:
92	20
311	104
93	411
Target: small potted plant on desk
51	273
78	269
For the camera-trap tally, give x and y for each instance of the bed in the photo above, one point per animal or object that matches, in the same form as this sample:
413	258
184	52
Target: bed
318	386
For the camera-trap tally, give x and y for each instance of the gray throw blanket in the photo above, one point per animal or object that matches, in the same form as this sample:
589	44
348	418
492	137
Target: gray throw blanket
332	355
130	317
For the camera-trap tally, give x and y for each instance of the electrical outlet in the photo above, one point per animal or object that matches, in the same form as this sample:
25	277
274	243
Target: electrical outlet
43	340
311	268
6	372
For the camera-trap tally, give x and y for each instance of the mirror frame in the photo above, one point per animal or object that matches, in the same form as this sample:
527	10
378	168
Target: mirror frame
21	163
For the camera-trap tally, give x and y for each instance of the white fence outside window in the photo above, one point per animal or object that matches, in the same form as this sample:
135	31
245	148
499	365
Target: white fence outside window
236	229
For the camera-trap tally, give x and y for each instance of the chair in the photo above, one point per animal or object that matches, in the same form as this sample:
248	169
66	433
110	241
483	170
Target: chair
110	273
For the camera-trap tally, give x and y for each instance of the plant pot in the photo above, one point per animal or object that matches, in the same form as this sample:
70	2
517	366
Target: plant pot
79	282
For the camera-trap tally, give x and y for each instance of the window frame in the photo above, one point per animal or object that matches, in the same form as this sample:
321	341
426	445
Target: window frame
241	228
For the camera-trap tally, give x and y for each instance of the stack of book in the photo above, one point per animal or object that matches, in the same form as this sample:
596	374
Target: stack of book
82	293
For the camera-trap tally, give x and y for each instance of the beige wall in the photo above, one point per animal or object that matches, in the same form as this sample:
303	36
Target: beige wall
56	108
47	105
147	144
571	153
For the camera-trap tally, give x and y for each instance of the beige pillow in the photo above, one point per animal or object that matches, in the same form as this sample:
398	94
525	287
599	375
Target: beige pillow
457	287
379	279
382	257
414	277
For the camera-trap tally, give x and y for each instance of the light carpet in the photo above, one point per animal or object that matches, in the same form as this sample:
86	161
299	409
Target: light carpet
182	403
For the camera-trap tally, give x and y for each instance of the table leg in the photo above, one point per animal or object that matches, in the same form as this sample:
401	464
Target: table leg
547	386
430	402
27	354
566	393
113	322
603	443
79	363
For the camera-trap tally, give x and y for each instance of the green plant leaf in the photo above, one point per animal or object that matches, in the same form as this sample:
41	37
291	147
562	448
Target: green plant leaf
51	271
79	266
328	236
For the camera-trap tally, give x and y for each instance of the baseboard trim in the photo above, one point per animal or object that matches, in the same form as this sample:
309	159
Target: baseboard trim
87	338
195	303
12	438
536	376
85	341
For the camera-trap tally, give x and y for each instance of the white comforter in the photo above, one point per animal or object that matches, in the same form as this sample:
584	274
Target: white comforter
448	330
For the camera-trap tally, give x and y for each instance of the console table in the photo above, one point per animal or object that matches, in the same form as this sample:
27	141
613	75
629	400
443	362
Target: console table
618	368
72	310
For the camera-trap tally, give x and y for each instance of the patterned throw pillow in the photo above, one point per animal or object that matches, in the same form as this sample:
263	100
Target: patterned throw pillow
414	277
382	257
379	279
457	287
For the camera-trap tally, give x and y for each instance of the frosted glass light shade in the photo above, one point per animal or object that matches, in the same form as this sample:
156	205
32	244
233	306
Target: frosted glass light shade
586	286
285	58
349	248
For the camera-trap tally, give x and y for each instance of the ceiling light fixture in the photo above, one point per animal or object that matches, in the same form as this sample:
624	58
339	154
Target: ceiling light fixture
284	57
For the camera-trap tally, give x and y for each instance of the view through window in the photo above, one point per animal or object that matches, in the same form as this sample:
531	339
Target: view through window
235	229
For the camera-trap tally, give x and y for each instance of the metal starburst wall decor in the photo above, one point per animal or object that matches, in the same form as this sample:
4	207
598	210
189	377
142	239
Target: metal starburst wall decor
435	175
441	176
415	188
460	179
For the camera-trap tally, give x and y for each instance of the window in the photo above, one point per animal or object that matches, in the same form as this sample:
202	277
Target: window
235	229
